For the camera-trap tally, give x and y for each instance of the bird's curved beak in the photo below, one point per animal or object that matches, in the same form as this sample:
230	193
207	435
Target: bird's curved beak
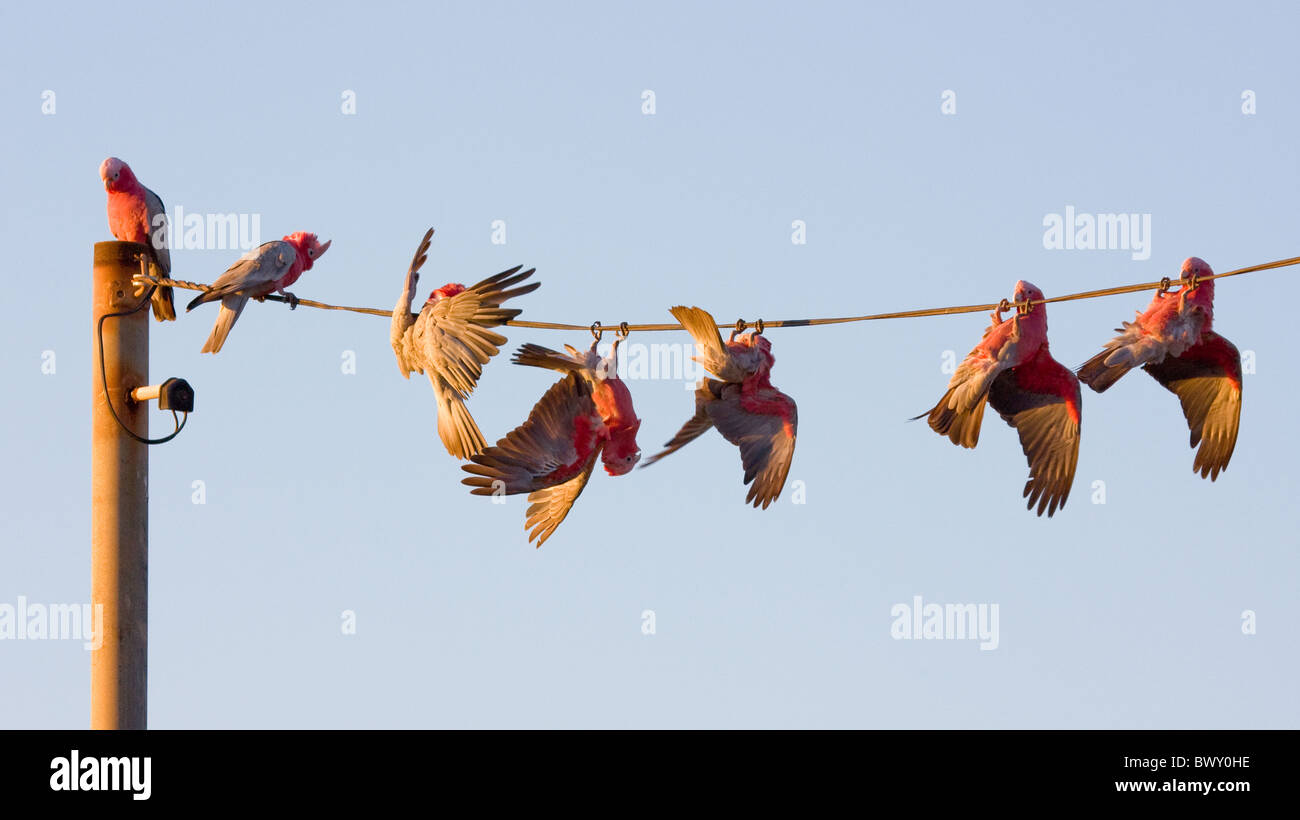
320	250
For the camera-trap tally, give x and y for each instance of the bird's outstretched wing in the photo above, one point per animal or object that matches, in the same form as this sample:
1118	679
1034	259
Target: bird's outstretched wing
453	335
1207	381
697	425
1042	400
547	508
557	442
763	426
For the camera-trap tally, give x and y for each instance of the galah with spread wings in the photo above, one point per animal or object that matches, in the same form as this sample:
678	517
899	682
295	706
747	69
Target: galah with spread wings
1012	369
742	403
450	341
1173	341
136	214
585	415
270	267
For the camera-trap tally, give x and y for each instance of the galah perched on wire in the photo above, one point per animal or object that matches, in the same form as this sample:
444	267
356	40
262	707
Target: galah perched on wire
585	415
1012	369
451	340
742	403
136	214
270	267
1173	341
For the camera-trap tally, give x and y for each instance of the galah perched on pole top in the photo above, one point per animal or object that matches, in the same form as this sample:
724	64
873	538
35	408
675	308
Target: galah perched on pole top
742	403
450	341
136	214
1173	341
551	456
270	267
1012	369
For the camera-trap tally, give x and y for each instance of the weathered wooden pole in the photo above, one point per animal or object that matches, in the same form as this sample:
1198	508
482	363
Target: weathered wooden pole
119	466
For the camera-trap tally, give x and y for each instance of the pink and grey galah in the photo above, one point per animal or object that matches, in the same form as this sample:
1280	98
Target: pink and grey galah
270	267
1012	369
1173	340
741	403
450	341
586	415
136	214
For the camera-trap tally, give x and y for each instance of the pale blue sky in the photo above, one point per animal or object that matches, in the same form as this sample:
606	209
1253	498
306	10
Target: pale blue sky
328	492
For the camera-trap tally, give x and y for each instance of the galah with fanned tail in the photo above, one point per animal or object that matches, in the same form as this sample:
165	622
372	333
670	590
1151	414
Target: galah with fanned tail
136	214
269	268
450	341
1013	370
741	403
1174	342
1172	323
586	415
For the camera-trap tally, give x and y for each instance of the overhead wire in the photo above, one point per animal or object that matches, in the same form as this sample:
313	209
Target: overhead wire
770	323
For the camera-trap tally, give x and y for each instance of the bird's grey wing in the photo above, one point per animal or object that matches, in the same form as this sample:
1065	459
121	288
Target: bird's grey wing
1042	400
1207	381
766	439
547	508
161	246
541	452
455	336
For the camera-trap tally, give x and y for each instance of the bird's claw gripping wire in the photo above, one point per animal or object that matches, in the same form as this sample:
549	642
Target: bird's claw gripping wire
740	328
293	300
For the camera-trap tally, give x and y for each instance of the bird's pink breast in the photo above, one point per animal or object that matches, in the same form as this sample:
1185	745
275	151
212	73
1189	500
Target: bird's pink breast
128	217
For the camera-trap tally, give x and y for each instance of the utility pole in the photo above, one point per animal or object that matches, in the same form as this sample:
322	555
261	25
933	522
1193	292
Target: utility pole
119	580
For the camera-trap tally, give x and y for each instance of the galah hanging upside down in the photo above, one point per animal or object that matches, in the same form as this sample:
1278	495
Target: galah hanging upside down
742	403
136	214
1173	341
551	455
270	267
450	341
1012	369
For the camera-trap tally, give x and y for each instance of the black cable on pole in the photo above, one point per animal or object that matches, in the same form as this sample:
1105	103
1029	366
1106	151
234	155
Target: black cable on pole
103	377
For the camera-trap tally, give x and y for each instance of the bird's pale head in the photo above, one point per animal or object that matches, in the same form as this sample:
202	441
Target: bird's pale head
621	453
116	174
309	248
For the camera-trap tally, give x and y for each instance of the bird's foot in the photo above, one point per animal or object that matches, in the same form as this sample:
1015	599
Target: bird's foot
293	300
